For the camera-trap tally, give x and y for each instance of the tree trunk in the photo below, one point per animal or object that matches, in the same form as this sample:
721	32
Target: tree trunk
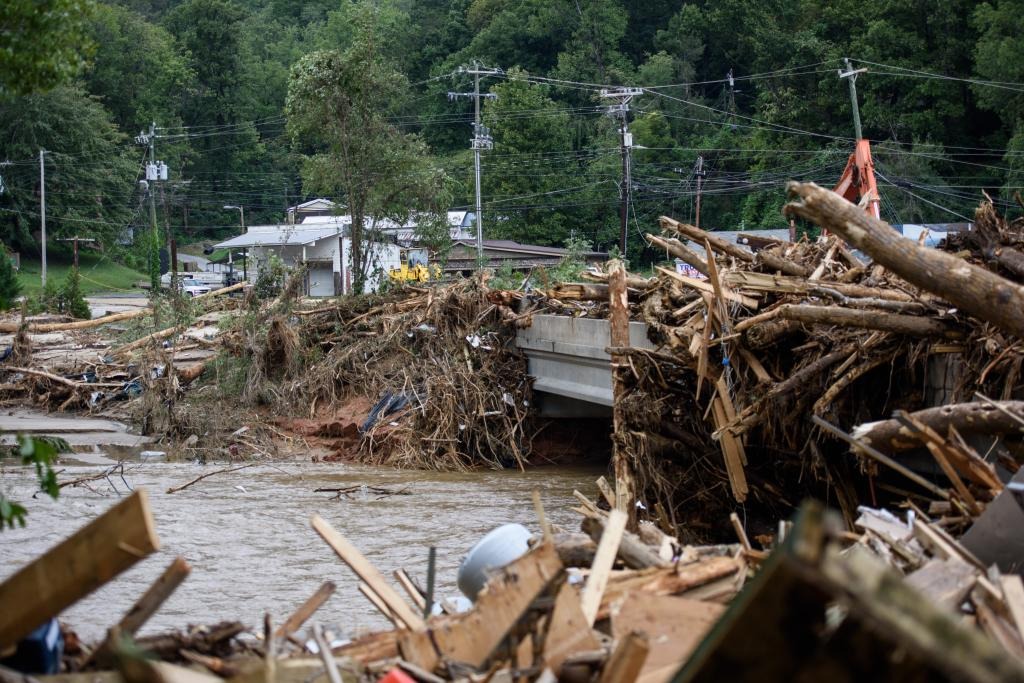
967	418
680	251
625	481
977	291
915	325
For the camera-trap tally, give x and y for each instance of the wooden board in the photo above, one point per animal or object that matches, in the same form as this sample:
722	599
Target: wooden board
568	633
673	626
604	558
627	659
80	564
472	637
370	575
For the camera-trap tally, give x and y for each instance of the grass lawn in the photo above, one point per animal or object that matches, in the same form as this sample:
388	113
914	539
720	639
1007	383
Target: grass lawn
99	274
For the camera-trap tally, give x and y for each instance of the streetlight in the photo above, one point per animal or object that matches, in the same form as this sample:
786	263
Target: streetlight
241	220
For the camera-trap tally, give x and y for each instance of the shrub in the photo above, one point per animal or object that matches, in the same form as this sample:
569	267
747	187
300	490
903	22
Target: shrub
10	288
72	302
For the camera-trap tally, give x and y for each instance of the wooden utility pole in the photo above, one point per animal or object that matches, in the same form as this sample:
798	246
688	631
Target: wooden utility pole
75	240
700	187
625	482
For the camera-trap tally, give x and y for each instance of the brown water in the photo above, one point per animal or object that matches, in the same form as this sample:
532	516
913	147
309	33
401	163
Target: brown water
248	538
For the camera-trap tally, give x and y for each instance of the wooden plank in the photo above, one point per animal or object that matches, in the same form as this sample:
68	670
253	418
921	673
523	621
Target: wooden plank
375	600
568	633
538	507
944	582
627	659
674	627
604	558
365	570
471	638
410	588
1013	596
144	608
80	564
294	622
606	491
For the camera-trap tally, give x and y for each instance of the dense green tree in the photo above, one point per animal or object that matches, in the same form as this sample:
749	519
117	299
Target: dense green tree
42	43
138	71
90	171
338	105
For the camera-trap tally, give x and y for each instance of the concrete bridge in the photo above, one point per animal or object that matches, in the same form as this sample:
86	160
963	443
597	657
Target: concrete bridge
572	369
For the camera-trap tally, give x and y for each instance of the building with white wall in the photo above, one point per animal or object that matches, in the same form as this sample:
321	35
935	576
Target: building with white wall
322	247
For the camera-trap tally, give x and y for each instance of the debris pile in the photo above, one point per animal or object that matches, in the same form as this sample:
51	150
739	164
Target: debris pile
898	600
451	391
764	352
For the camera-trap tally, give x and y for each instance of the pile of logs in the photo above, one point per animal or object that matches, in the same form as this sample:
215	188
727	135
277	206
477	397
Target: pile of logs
764	353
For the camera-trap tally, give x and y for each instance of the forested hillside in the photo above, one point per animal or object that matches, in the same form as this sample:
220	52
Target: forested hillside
263	103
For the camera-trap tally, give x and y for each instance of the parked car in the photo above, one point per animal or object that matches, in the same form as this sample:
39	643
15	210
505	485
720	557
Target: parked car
193	287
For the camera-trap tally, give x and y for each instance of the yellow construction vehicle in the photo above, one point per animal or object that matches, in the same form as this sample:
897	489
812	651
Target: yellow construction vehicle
414	268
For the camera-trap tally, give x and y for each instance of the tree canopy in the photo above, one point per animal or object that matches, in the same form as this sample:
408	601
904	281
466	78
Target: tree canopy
258	102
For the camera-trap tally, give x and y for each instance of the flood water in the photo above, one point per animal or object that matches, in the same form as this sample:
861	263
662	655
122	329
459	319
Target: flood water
252	550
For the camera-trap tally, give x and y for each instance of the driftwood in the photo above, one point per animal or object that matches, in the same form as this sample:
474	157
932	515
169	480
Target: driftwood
966	418
633	552
868	319
8	327
976	290
175	489
680	251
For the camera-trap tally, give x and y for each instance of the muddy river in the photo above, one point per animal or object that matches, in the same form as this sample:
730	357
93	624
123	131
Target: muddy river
248	538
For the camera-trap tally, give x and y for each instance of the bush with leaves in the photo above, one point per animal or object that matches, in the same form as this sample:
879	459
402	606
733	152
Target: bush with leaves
40	451
10	288
271	278
72	302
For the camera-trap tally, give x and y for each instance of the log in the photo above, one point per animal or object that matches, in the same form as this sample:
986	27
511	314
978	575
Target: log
10	327
717	243
779	263
897	323
1010	259
142	341
80	564
765	282
633	552
770	333
967	418
977	291
680	251
625	480
575	549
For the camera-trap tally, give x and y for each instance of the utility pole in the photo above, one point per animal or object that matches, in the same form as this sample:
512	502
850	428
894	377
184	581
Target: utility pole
620	109
75	240
700	186
42	209
481	140
851	75
155	171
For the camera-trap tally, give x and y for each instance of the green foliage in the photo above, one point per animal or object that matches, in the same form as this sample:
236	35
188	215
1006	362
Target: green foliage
153	242
90	180
338	105
41	452
10	288
72	301
42	44
271	278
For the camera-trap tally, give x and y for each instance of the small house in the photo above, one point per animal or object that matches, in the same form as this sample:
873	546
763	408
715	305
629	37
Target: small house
325	250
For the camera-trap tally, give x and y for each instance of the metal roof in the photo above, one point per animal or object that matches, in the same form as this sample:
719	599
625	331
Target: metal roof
280	235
